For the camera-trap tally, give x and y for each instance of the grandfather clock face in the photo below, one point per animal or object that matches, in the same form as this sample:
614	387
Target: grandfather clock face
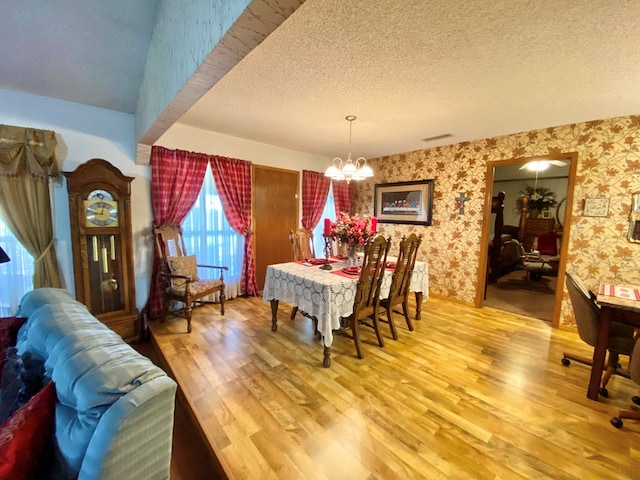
101	210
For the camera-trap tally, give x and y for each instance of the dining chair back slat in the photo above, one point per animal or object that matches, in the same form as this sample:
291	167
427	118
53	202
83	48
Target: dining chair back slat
400	281
301	244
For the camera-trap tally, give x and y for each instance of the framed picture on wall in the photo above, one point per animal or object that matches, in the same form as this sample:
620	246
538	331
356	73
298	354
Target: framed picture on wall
595	207
404	202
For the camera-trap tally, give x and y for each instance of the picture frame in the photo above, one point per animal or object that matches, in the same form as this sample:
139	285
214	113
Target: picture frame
545	214
404	202
595	207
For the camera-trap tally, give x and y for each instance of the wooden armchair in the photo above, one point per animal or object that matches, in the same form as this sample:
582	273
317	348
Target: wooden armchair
180	275
400	282
301	244
367	299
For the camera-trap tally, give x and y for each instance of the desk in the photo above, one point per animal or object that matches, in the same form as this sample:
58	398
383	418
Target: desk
326	296
609	304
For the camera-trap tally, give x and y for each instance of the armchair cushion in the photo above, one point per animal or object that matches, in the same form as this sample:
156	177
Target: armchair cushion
185	265
547	243
26	434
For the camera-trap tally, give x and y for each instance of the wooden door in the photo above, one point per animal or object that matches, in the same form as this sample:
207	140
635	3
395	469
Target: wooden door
275	214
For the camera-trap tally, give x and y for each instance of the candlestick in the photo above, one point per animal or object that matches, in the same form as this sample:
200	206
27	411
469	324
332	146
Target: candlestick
374	224
327	226
327	251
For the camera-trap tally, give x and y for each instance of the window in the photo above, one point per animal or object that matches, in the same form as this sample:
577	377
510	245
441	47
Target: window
209	236
16	276
328	212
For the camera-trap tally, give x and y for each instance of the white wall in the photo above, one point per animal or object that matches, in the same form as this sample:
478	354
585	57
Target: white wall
183	137
85	132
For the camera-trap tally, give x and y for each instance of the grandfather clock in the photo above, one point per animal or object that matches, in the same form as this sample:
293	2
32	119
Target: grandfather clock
100	218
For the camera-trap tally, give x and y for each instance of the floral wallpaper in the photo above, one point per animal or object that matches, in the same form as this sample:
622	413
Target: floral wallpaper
608	165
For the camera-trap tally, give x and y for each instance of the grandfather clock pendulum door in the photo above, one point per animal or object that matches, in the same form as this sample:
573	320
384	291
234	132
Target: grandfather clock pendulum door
100	219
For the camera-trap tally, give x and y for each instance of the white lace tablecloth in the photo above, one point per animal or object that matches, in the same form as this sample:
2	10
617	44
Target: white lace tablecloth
325	295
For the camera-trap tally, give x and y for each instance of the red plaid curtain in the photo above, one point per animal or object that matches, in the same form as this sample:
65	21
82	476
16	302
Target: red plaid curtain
233	181
341	196
315	188
176	180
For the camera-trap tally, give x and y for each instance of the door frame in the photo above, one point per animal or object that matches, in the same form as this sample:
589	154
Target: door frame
481	282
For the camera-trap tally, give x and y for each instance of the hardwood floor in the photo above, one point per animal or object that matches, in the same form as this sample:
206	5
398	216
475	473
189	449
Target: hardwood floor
470	394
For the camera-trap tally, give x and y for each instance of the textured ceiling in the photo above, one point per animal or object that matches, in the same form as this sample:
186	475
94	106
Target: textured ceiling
84	51
408	69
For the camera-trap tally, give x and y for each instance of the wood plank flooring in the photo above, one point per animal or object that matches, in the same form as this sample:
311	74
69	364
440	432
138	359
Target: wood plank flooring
470	394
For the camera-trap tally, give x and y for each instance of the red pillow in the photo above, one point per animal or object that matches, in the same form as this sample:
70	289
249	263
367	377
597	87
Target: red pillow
9	327
24	436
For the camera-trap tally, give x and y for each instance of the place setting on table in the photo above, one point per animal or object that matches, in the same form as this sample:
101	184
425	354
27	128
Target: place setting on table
325	288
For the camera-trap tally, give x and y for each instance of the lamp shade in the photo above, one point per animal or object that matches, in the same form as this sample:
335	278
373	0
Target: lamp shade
4	258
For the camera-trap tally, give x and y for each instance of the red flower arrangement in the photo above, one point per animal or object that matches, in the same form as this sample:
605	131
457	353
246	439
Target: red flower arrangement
352	230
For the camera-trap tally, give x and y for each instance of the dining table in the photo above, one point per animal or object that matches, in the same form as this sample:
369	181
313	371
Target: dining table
328	295
612	299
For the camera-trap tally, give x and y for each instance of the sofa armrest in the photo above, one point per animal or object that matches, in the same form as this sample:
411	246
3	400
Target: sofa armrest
134	436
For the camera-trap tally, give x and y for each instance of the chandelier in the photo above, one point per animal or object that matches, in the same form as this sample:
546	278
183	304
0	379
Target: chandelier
348	169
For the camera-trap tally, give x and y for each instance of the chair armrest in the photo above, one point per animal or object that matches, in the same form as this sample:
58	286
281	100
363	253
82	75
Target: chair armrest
213	266
188	278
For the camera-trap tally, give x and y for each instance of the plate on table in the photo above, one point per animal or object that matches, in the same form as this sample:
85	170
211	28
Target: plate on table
351	270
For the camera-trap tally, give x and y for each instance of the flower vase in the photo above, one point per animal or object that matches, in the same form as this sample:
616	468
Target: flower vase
352	257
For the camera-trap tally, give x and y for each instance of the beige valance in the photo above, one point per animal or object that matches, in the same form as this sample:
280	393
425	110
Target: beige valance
27	151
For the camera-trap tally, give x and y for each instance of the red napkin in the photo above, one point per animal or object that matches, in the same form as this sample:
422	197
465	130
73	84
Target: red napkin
391	265
316	261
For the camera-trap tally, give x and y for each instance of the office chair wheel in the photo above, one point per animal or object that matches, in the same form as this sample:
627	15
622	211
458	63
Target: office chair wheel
604	392
565	361
635	399
616	422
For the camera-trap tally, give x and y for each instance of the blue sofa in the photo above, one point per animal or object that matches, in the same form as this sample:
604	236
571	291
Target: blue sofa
114	409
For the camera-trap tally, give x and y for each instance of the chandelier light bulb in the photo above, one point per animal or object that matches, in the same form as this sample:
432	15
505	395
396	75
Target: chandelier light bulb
349	170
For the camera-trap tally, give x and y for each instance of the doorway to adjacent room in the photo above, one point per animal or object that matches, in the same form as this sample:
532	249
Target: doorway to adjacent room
513	289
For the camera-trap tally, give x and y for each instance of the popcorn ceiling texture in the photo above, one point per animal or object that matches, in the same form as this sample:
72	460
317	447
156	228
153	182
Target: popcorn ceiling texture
608	156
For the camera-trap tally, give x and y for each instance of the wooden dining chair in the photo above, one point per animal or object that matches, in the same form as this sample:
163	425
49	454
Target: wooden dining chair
400	282
302	249
337	248
587	315
367	298
301	241
179	273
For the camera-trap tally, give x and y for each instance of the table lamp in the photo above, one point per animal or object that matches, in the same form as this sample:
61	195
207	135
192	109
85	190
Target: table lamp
4	258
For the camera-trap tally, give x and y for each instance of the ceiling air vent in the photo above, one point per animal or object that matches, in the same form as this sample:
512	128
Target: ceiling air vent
437	137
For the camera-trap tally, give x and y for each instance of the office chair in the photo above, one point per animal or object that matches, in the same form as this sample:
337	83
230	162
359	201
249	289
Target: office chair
634	371
587	315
